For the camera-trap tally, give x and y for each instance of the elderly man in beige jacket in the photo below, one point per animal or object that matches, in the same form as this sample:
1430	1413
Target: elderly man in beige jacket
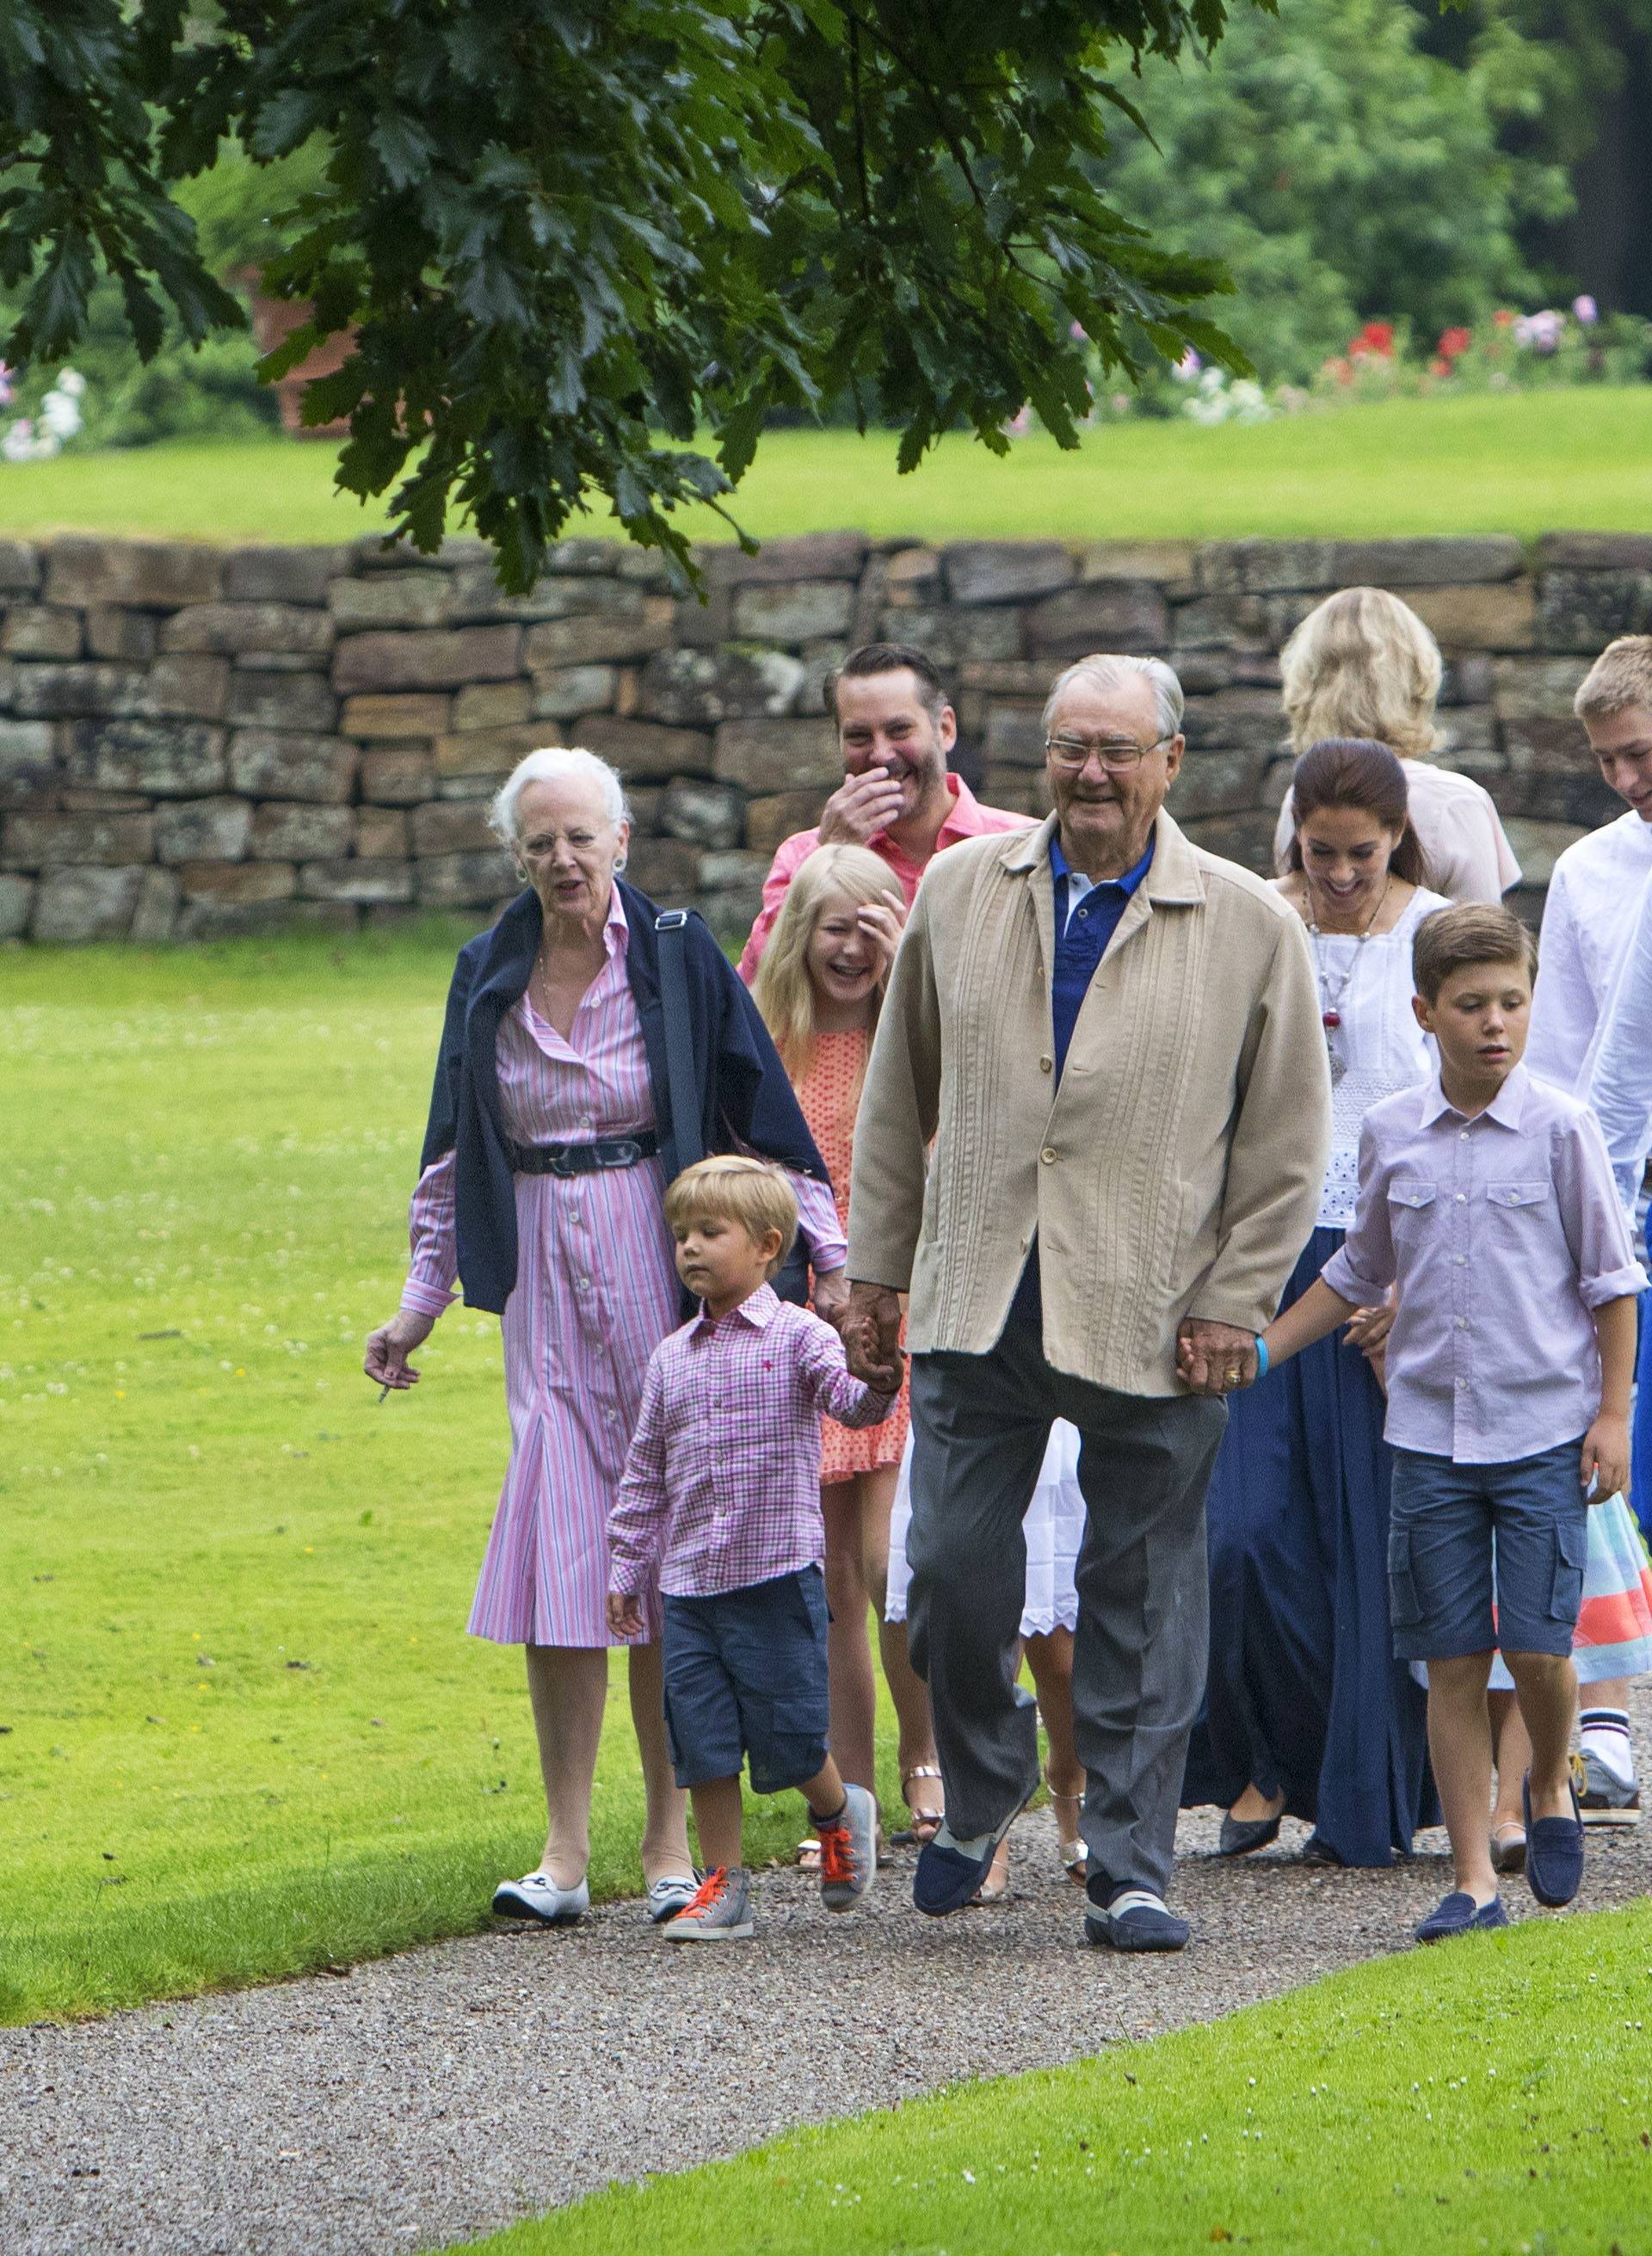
1113	1041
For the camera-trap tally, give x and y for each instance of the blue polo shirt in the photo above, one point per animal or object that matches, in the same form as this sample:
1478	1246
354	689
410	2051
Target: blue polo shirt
1086	918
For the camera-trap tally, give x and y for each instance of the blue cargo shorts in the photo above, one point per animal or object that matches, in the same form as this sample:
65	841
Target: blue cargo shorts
1486	1555
746	1675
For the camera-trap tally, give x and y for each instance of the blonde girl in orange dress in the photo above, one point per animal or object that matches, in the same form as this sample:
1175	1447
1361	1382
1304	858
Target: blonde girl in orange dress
819	988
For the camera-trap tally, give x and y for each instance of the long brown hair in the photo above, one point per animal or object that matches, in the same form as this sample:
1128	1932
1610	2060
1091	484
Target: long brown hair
1357	772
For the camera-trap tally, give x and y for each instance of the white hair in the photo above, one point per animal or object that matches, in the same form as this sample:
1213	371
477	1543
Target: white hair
1108	670
556	764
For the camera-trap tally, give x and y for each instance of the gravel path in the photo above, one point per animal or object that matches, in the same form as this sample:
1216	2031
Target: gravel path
448	2091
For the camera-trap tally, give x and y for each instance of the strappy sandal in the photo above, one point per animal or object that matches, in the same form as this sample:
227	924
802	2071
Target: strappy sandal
996	1885
926	1823
1073	1854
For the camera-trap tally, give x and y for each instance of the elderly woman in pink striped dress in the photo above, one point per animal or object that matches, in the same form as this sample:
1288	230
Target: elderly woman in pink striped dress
550	1143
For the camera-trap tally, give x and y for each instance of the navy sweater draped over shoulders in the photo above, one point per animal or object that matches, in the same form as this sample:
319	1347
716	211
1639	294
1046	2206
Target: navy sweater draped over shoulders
745	1100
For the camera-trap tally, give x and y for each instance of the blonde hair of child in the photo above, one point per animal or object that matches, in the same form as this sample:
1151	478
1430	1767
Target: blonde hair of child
784	991
1362	664
1621	676
751	1194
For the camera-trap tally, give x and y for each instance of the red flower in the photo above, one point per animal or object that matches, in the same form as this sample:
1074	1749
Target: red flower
1339	369
1503	318
1440	367
1376	337
1453	341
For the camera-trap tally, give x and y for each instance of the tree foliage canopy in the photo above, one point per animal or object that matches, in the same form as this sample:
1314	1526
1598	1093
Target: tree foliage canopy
1342	173
567	235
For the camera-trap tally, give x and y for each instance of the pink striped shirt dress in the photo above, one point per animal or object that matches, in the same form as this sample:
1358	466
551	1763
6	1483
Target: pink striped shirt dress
596	1291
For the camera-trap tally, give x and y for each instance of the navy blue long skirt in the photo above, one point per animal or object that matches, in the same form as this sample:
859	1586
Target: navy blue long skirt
1304	1695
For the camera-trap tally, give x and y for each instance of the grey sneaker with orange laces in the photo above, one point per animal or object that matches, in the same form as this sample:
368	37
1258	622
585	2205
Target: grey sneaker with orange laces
848	1850
718	1911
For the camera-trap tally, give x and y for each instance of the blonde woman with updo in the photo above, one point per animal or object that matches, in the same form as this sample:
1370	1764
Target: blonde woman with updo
1362	664
819	987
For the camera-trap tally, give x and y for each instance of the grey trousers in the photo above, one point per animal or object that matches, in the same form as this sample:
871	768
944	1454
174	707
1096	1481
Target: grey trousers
980	1426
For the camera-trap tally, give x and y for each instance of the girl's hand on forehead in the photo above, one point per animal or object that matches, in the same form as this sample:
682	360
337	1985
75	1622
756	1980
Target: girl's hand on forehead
882	923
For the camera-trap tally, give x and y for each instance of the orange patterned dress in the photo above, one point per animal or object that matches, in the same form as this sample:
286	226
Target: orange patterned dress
829	1094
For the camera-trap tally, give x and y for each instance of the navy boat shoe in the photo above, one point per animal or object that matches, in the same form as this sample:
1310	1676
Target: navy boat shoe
1554	1850
949	1871
1459	1913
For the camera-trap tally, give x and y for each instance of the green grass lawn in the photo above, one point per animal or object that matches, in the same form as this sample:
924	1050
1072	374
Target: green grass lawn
1490	2094
1523	463
242	1729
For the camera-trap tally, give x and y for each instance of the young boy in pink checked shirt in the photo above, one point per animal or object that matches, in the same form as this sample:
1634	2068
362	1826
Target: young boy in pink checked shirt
721	1494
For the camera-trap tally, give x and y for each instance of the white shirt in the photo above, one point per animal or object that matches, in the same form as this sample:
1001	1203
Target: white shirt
1619	1078
1458	826
1588	925
1379	1045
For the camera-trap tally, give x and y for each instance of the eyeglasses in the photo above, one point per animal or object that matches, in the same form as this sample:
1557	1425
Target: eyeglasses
1118	758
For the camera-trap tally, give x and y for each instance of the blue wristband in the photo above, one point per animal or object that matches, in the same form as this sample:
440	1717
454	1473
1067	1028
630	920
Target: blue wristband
1262	1357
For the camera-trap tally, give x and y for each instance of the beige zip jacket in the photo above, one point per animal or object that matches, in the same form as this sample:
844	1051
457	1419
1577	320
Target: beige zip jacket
1176	1171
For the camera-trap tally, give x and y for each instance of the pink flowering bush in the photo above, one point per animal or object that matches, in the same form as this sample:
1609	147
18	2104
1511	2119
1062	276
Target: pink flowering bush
1508	352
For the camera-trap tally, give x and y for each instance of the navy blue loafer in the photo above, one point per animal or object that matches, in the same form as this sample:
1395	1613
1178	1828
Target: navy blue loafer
949	1871
1135	1918
1242	1834
1459	1913
1554	1850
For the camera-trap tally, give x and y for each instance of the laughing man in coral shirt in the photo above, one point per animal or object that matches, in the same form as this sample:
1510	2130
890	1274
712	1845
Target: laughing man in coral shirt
895	727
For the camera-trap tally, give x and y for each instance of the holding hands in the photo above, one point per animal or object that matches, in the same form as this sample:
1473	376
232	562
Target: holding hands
872	1336
1213	1358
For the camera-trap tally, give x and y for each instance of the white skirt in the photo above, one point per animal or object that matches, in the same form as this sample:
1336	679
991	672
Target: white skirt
1054	1528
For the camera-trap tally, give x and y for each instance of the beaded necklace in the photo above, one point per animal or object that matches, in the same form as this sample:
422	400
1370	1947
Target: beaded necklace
1329	1000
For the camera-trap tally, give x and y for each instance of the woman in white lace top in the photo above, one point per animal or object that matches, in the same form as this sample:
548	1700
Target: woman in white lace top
1306	1714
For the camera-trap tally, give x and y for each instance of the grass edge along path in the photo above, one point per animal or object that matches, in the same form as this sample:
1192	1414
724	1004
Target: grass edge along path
1489	2094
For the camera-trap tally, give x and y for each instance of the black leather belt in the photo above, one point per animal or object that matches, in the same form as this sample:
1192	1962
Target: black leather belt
584	1159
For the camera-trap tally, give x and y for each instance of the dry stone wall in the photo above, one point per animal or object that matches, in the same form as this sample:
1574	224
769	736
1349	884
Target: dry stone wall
196	741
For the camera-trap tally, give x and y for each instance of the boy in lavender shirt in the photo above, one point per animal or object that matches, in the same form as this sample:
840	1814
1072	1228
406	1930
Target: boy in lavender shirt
721	1495
1485	1196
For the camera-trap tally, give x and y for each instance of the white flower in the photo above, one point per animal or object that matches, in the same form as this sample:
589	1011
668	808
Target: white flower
71	381
60	414
23	443
1212	380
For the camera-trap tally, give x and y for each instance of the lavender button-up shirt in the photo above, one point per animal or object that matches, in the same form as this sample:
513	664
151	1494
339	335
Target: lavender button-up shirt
724	1475
1504	1234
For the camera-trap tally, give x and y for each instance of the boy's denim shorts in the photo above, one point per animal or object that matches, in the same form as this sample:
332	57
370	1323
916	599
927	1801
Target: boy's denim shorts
746	1674
1446	1522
